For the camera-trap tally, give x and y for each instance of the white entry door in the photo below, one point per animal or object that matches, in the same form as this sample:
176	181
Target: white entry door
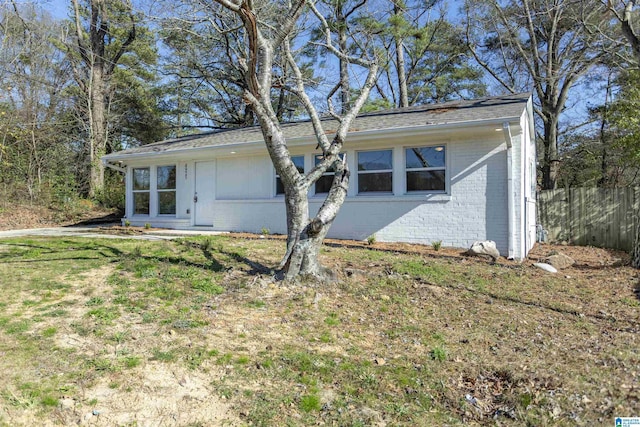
204	193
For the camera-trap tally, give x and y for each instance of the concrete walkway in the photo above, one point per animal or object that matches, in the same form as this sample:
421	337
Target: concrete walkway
90	231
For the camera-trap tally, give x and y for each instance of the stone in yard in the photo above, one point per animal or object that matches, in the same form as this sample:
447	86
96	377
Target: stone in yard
546	267
559	261
487	247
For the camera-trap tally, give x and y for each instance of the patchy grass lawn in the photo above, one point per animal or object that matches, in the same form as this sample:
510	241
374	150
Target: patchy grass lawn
195	332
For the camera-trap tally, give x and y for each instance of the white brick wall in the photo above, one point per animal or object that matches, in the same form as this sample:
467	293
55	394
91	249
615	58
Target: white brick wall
474	208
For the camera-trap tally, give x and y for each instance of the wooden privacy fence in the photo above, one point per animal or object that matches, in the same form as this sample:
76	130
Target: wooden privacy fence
591	216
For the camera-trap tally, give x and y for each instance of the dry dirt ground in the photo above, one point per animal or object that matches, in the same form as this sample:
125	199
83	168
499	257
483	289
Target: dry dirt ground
18	217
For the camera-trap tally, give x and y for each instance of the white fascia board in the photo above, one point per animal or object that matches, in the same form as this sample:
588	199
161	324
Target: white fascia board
257	147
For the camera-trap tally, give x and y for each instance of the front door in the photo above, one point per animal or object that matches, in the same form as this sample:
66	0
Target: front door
204	193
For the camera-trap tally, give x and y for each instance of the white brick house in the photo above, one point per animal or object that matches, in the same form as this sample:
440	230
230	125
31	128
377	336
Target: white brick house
457	172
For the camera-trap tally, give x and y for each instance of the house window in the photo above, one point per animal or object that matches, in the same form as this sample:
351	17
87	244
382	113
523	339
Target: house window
298	161
323	185
166	190
141	188
375	171
426	168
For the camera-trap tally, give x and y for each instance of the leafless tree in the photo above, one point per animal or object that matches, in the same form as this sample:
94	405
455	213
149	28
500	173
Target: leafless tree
99	48
625	12
542	44
267	33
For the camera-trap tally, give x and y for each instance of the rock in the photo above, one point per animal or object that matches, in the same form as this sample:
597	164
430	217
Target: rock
67	403
559	261
546	267
351	272
487	247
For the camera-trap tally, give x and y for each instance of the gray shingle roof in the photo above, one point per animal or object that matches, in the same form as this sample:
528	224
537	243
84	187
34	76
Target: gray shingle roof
508	107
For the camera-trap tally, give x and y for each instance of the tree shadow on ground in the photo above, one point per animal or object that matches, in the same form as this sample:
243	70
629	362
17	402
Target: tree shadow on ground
217	266
104	251
112	218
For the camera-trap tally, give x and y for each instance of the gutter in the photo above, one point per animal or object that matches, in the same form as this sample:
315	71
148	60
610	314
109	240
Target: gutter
353	135
506	128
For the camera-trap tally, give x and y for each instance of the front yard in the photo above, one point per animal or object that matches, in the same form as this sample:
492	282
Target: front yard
193	332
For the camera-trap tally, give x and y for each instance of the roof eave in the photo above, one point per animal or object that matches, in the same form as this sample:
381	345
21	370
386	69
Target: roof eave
311	140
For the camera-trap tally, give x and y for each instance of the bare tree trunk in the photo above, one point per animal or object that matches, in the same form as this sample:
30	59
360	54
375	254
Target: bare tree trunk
304	235
92	45
550	161
628	27
97	138
635	255
304	254
345	102
400	63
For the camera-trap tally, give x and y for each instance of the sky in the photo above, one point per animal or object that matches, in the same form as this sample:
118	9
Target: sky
57	8
581	97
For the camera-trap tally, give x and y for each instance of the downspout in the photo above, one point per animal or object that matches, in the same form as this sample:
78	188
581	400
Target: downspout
506	128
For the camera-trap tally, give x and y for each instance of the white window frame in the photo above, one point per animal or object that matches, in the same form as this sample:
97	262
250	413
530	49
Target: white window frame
359	172
166	190
444	168
134	191
328	173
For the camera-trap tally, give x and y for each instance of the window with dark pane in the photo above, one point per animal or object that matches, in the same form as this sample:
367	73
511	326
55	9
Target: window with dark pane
426	169
141	188
375	171
299	162
323	185
166	186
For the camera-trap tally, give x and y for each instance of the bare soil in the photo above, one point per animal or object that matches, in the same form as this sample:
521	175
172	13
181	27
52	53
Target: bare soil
24	216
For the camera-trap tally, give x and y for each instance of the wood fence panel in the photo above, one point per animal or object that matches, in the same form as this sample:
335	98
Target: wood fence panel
591	216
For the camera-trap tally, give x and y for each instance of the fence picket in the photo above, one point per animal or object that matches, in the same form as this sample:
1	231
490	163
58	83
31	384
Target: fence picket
591	216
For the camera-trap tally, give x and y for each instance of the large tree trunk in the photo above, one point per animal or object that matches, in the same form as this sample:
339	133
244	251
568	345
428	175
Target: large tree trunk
92	44
345	96
635	254
97	139
400	63
306	235
550	159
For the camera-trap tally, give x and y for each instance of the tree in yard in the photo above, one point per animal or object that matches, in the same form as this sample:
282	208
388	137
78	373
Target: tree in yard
268	29
341	19
104	32
545	44
428	58
34	151
626	13
603	154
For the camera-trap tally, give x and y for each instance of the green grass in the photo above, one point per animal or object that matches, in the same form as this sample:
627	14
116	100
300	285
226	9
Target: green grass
164	356
403	344
310	403
49	332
